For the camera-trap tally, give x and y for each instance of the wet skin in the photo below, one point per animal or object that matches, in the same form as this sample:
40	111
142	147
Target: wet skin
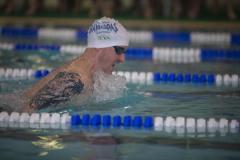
71	79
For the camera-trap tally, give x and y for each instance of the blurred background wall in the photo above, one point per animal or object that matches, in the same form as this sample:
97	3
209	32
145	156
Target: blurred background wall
127	9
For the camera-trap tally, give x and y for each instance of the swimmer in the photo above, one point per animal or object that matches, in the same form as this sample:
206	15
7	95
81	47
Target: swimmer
107	42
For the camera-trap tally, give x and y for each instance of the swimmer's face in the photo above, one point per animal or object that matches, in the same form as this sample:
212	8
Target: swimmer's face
111	57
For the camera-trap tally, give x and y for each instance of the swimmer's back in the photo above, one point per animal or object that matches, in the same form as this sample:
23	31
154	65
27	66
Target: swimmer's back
60	85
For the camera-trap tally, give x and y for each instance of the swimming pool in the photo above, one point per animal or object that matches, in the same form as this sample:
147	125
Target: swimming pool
169	99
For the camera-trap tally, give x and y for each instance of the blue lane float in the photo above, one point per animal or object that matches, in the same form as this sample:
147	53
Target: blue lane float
213	54
127	121
36	47
235	39
177	37
41	73
139	53
186	78
106	120
117	121
86	119
81	35
75	120
114	121
19	32
96	120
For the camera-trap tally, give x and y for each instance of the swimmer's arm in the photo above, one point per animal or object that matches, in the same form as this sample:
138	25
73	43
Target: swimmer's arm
43	81
60	89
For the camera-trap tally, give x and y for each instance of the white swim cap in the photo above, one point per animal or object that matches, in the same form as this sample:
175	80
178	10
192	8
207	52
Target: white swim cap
107	32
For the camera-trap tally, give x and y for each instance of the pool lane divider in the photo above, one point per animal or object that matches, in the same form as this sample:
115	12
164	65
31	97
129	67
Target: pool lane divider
157	123
159	54
68	34
138	77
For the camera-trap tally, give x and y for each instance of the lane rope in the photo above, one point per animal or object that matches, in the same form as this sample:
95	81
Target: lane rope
148	78
67	34
180	125
159	54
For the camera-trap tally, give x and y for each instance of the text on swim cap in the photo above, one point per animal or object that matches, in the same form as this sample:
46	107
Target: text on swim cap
103	28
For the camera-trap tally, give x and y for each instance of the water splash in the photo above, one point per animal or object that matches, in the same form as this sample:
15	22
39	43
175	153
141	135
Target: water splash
108	87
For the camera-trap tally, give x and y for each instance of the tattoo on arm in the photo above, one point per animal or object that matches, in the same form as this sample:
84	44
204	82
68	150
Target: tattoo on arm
59	89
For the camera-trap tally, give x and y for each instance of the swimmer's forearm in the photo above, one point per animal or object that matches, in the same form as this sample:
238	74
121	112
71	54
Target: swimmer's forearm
60	89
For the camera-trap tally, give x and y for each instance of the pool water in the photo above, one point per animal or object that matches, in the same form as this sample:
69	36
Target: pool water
162	99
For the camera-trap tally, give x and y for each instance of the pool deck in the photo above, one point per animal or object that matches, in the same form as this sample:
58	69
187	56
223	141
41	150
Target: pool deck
129	23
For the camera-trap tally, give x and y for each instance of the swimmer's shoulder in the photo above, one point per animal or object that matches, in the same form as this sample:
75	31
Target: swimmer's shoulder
42	82
60	89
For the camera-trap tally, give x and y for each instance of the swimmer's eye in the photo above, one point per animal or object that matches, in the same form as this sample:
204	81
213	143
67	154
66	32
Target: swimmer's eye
119	50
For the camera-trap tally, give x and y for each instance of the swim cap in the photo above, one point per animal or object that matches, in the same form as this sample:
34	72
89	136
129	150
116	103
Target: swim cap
107	32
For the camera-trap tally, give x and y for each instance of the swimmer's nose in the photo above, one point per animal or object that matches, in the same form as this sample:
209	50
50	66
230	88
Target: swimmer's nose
121	58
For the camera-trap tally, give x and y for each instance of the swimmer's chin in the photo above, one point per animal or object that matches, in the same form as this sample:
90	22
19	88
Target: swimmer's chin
110	71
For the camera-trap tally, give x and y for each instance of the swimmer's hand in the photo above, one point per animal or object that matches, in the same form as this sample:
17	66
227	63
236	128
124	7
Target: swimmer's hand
60	89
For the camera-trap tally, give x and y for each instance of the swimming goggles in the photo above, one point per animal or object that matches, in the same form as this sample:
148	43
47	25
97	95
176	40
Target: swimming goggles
119	50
